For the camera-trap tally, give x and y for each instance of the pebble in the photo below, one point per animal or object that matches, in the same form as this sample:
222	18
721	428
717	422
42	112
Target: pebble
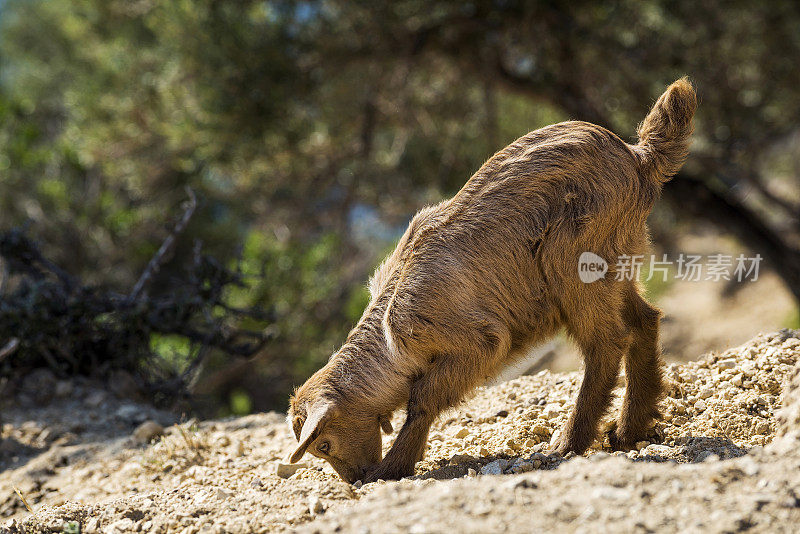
551	411
222	494
495	468
119	527
522	467
460	459
727	363
705	393
285	470
315	505
462	433
700	405
657	450
95	399
64	388
611	493
147	431
540	430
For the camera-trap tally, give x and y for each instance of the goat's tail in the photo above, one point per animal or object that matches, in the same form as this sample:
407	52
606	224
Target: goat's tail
664	133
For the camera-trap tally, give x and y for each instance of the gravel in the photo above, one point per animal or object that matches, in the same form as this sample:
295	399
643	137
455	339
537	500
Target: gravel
725	457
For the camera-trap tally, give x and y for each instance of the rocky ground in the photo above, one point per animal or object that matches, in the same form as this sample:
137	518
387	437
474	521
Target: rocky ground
725	458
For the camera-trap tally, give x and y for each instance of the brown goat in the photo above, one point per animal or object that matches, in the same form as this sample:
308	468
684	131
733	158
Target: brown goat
478	279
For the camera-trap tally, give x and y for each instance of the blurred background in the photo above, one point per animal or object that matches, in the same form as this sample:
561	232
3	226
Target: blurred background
310	132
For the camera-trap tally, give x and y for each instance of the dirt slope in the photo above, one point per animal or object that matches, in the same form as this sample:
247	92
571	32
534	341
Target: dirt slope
720	461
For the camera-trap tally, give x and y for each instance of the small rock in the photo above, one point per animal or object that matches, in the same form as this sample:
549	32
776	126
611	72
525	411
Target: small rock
705	393
147	431
642	444
521	466
284	470
315	505
738	380
656	450
494	468
705	456
462	433
761	427
612	494
471	472
460	459
64	388
130	412
502	413
551	411
728	363
118	527
540	430
700	405
256	483
95	399
221	440
222	494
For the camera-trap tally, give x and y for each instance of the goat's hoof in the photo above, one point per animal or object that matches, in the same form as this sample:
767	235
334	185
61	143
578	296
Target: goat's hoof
386	472
616	442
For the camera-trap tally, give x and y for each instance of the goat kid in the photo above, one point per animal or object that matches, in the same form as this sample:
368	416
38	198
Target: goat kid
477	280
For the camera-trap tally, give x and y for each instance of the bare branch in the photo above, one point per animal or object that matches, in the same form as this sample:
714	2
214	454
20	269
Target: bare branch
9	349
159	258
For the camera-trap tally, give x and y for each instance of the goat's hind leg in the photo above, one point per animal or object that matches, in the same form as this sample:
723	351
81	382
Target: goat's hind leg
603	341
643	372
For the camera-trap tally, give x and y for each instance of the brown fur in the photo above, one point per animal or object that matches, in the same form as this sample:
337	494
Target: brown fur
478	279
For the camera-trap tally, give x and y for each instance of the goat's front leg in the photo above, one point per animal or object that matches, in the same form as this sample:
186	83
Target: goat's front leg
442	385
409	447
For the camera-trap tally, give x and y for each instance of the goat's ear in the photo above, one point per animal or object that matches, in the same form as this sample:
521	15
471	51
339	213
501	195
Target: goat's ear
386	423
297	426
318	416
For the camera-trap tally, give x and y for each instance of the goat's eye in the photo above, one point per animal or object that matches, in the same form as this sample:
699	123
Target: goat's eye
324	447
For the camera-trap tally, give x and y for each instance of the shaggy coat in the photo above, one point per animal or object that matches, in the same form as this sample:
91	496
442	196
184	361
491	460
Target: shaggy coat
477	280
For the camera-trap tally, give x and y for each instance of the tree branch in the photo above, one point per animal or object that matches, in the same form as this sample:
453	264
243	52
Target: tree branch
160	257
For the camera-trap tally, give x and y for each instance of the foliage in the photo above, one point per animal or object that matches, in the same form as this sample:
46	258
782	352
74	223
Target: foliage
314	128
56	321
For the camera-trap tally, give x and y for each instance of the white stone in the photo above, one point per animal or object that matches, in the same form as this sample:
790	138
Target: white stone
284	470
